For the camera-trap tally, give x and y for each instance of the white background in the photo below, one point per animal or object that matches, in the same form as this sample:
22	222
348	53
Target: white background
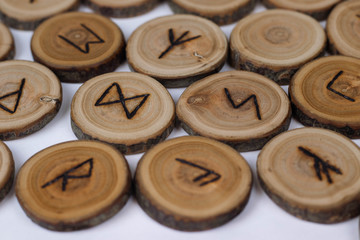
261	218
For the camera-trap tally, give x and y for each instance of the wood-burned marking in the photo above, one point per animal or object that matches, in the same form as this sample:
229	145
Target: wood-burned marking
87	44
18	93
122	100
337	92
207	173
66	175
321	165
253	97
175	42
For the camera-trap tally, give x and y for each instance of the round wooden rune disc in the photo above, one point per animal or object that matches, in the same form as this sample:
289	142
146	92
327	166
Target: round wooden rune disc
178	49
30	97
278	44
130	111
192	183
121	9
325	93
7	170
73	185
28	14
7	45
221	12
343	29
78	46
318	9
242	109
313	174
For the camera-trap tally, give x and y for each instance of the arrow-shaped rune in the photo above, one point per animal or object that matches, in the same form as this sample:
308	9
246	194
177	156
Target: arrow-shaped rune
177	41
321	166
66	175
253	97
207	173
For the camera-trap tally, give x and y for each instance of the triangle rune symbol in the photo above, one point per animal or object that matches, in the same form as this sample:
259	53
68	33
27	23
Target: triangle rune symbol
18	93
121	99
329	87
66	175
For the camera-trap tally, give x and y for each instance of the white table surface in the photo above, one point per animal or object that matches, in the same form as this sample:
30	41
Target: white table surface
261	218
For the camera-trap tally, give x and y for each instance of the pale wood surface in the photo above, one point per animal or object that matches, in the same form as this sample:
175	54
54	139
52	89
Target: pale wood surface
28	14
324	93
219	107
123	8
288	173
319	9
100	191
78	46
150	118
343	29
192	183
7	44
7	170
183	63
278	44
31	96
221	12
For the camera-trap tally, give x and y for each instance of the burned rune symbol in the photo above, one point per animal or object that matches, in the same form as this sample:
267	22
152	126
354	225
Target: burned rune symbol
122	100
174	42
66	175
18	93
358	15
207	173
321	165
32	1
336	92
253	97
87	48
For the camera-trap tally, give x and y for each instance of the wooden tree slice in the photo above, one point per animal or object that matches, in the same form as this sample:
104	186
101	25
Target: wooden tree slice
73	185
7	170
28	14
177	50
278	44
312	174
325	93
318	9
30	97
78	46
221	12
343	29
7	45
121	9
192	183
242	109
130	111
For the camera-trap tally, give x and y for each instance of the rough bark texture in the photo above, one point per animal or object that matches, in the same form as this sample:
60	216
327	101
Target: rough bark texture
6	189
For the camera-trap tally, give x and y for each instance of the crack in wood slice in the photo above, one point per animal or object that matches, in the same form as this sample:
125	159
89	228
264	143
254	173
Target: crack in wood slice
312	173
192	183
73	185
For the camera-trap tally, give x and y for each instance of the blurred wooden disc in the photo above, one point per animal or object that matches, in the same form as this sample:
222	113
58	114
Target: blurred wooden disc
221	12
313	174
242	109
7	170
278	44
343	29
130	111
7	45
177	50
73	185
318	9
78	46
28	14
30	97
123	8
325	93
192	183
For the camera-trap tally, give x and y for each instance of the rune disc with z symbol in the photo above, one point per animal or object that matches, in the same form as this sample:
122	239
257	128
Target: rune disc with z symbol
130	111
198	182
